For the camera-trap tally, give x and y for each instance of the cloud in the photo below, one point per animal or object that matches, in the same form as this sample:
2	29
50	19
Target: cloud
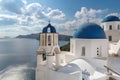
27	13
55	14
14	6
34	10
24	1
7	20
82	16
84	12
19	17
89	15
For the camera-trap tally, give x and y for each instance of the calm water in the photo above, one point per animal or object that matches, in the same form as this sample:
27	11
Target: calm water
18	58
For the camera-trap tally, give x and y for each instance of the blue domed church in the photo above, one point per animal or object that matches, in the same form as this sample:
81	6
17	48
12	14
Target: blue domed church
111	26
89	41
89	52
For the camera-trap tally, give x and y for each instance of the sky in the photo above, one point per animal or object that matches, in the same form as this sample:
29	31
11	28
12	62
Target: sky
21	17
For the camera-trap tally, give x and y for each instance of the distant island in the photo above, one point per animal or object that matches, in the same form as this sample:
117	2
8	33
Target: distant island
36	36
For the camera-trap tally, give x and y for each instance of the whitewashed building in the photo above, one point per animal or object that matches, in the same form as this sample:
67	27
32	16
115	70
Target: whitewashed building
89	52
111	26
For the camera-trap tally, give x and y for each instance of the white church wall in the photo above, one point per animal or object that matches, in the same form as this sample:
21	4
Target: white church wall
39	59
99	47
50	60
41	73
79	43
115	35
42	39
72	46
91	46
56	39
107	24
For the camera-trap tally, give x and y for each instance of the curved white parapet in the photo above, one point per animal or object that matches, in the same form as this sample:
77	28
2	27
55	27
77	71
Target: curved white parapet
77	65
82	65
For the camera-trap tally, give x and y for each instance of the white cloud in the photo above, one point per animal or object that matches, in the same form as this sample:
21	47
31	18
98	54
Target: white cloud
24	1
84	12
23	18
93	12
49	9
82	16
33	7
55	14
35	11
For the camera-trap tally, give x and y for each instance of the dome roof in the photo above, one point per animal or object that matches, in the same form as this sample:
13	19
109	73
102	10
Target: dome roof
50	27
111	18
90	31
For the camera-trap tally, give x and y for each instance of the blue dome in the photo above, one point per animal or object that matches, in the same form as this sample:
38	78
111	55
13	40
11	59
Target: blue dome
49	26
90	31
111	18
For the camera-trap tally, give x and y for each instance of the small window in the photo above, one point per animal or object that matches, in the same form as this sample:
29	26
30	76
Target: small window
49	40
83	51
110	38
44	55
97	51
110	27
118	27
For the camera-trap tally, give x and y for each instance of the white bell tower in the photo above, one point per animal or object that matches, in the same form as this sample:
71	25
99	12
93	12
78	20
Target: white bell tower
48	56
111	26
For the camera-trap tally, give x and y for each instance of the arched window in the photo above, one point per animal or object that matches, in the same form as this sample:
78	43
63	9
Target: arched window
49	40
44	55
110	27
118	27
83	51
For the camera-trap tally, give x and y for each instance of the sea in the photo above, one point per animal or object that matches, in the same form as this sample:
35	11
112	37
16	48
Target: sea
18	58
